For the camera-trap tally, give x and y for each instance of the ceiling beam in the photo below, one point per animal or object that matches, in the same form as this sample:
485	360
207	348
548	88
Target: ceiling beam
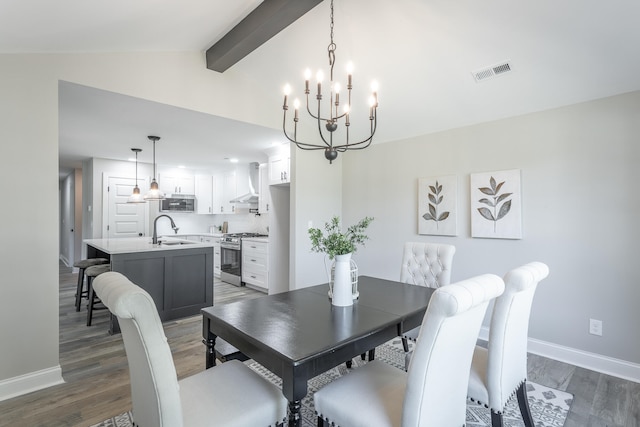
264	22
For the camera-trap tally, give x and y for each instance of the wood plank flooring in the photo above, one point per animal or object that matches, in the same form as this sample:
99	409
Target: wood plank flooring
95	371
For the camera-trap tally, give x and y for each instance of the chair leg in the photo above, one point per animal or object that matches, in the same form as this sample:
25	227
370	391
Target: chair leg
405	344
91	298
372	354
523	403
79	288
496	419
320	422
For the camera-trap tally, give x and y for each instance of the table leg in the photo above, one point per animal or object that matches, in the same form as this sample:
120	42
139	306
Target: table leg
294	413
210	355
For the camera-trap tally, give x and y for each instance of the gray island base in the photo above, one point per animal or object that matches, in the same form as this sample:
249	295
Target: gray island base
177	274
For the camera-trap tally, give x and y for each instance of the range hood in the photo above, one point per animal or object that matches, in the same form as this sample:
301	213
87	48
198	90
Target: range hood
252	196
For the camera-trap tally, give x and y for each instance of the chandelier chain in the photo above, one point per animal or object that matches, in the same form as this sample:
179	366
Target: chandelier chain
332	46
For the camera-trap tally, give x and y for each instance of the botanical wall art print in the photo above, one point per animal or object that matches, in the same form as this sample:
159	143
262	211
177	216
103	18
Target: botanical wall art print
496	205
438	205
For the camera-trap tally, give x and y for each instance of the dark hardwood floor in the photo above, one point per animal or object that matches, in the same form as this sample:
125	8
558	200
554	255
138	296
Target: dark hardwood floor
96	387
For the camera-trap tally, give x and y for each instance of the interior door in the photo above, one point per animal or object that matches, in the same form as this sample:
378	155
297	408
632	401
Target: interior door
124	219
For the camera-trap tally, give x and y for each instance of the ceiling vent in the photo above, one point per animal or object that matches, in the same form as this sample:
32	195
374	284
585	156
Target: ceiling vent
492	71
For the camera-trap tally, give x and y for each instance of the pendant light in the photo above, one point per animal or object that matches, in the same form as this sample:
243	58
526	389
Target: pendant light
154	192
136	197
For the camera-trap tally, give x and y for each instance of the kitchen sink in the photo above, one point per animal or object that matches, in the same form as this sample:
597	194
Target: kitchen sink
175	242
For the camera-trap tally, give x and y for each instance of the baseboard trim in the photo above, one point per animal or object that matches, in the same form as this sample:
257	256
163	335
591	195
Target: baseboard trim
595	362
32	381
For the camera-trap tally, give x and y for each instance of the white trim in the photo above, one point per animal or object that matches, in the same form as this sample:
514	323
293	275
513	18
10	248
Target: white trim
595	362
32	381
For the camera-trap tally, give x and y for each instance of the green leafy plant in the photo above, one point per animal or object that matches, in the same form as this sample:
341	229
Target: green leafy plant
435	198
494	215
335	242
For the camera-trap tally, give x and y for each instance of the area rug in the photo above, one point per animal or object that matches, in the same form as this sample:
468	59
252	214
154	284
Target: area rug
549	407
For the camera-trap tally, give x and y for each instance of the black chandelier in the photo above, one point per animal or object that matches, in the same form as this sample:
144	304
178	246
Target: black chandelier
334	114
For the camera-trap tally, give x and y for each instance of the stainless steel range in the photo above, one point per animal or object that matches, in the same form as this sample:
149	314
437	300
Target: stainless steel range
231	257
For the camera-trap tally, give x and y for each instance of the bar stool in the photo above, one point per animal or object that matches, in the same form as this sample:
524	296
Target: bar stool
92	272
83	264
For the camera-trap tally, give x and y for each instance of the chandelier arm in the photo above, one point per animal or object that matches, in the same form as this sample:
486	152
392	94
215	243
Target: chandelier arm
284	129
357	145
301	145
313	115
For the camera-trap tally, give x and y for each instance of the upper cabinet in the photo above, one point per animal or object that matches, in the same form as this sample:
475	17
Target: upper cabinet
204	194
177	183
224	189
279	162
264	197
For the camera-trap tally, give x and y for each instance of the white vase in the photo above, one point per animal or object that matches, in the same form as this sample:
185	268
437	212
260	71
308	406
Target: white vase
342	289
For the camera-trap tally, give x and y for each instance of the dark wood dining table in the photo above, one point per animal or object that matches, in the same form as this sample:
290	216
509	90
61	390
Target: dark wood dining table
299	334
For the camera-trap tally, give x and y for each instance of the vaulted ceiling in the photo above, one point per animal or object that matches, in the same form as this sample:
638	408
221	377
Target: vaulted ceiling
423	53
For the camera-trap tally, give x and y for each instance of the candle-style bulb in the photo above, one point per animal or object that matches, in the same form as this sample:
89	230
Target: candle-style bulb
287	91
296	106
307	74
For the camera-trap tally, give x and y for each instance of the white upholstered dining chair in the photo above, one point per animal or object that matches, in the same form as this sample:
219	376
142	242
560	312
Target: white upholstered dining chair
227	395
433	392
499	371
425	264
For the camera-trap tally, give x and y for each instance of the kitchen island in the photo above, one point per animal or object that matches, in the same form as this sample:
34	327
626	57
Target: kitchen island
178	274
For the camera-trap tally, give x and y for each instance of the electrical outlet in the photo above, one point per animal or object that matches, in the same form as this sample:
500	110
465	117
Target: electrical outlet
595	327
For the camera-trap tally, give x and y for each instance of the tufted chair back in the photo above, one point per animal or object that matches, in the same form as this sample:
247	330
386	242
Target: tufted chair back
501	370
427	264
155	393
437	379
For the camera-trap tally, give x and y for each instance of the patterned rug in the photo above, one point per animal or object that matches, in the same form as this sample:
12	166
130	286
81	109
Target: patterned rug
549	407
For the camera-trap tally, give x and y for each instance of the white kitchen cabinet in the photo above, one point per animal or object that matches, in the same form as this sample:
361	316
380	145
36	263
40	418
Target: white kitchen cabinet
204	194
224	189
177	184
279	166
264	197
215	242
255	264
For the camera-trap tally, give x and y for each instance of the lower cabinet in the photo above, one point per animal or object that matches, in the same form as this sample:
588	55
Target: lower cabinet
255	261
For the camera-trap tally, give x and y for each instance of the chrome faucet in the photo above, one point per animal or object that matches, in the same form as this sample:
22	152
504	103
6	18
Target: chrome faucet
155	228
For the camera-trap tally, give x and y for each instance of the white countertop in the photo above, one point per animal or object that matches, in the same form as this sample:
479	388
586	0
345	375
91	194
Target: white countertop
141	244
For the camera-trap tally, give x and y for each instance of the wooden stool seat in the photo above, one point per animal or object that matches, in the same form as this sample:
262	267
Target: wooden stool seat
92	272
82	265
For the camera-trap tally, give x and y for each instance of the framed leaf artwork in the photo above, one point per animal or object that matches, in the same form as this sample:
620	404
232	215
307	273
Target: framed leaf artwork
438	205
496	205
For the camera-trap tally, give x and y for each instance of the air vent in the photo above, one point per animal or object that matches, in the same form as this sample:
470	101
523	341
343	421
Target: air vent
492	71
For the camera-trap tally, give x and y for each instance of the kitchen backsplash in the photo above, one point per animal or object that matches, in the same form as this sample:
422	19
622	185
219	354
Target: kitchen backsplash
239	222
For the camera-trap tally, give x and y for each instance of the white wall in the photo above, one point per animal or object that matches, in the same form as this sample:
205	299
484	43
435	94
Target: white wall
316	196
580	207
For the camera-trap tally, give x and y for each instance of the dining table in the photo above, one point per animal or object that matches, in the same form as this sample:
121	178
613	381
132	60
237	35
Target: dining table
299	334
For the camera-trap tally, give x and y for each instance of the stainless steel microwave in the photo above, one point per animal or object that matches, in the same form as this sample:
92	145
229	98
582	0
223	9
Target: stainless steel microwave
178	204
